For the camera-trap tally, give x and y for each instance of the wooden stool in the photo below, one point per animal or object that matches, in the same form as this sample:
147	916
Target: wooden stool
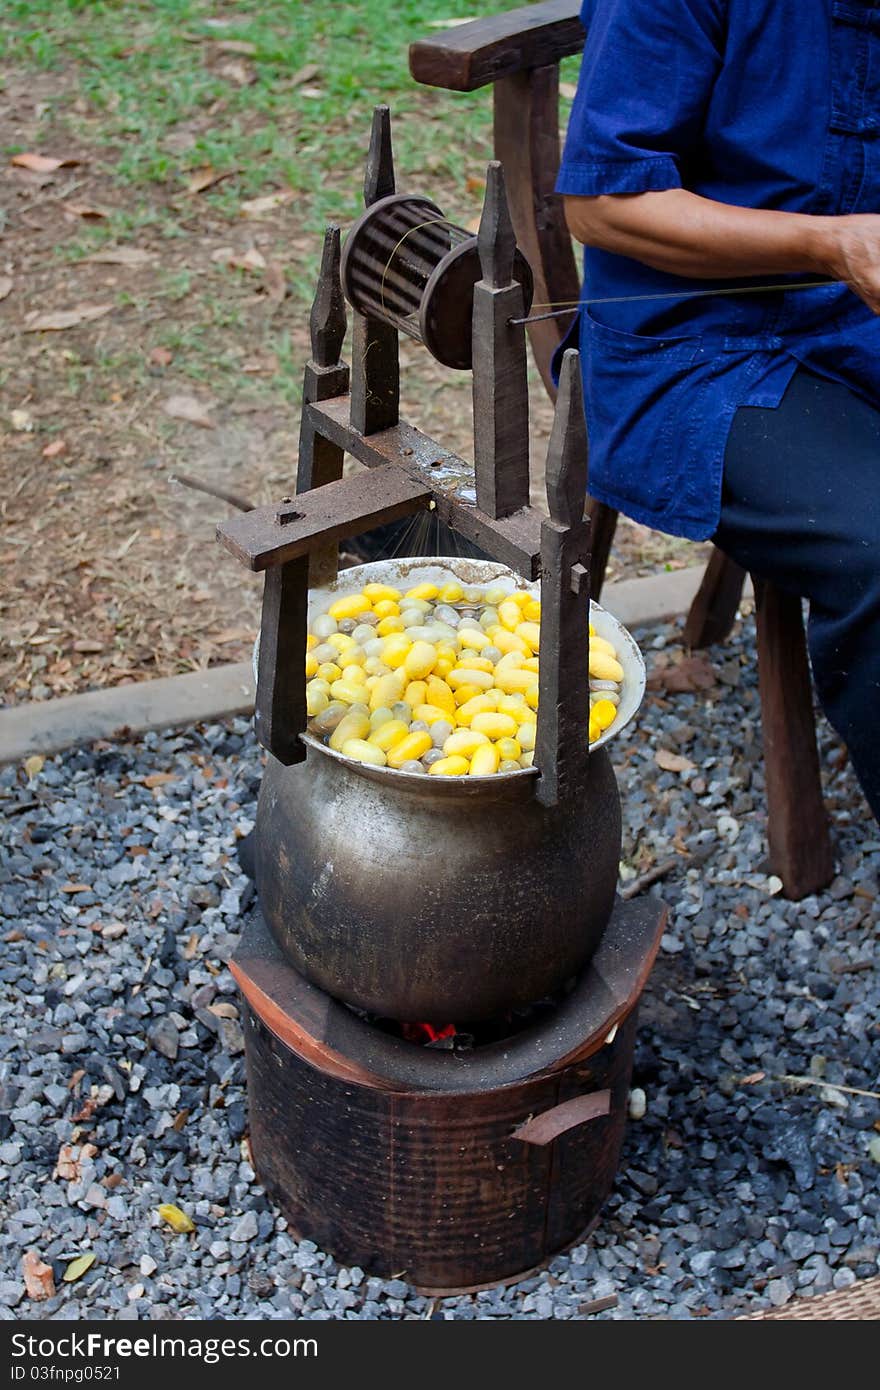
518	53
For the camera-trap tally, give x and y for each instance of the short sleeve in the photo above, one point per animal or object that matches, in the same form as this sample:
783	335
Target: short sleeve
648	70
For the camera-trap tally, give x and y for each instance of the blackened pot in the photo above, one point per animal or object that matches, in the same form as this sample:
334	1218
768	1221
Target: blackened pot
434	899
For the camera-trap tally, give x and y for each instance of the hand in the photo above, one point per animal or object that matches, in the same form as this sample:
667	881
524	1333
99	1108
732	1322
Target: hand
849	250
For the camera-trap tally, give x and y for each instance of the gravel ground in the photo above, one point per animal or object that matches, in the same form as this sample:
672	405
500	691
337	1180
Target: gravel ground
121	1052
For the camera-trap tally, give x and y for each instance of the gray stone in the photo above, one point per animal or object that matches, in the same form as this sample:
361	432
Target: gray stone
798	1245
245	1228
779	1291
165	1038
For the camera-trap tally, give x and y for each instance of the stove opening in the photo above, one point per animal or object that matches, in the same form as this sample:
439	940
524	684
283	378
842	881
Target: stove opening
465	1036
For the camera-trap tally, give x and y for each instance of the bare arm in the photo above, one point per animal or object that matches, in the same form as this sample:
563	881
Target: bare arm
685	234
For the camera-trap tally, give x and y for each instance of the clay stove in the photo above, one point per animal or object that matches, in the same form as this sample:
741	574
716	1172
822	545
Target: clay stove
451	1168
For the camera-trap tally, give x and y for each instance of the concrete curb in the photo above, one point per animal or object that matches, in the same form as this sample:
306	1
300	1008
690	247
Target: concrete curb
52	725
48	726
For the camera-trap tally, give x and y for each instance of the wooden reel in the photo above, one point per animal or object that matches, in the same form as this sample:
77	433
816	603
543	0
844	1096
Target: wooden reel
404	263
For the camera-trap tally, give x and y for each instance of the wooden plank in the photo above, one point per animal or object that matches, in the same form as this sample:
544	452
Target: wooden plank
280	714
330	513
603	524
375	356
526	124
797	823
471	55
375	374
320	461
561	748
713	610
500	377
526	139
513	540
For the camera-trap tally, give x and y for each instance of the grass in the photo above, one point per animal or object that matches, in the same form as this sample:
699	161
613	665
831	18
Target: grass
279	94
147	72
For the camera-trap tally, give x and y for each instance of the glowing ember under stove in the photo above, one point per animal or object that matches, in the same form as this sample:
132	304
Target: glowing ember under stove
426	1032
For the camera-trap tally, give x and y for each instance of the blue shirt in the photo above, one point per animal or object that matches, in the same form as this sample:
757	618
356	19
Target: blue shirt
758	103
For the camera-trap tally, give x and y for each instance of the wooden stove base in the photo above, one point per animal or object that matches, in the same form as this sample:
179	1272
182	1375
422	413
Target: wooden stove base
452	1171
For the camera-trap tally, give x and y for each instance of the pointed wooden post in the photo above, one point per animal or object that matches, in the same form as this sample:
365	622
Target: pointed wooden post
562	744
379	169
501	398
375	379
280	713
326	376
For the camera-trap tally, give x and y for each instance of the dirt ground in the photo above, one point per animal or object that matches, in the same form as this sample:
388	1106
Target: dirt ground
128	359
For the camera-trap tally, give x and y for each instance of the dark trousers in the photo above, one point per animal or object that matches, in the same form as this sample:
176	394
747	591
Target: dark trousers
801	507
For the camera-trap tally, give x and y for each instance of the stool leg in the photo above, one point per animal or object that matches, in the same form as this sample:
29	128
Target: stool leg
603	523
713	610
797	824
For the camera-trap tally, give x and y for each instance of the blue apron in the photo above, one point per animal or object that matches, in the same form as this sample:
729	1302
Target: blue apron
757	103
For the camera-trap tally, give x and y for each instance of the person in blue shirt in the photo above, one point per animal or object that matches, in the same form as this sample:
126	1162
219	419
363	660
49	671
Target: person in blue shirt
732	144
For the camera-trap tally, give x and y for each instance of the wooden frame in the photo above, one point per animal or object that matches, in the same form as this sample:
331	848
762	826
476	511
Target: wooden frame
519	54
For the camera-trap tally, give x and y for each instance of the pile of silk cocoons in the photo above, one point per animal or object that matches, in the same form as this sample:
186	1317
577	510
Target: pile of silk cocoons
441	680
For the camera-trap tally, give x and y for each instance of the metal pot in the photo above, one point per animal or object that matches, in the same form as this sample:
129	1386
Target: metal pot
438	899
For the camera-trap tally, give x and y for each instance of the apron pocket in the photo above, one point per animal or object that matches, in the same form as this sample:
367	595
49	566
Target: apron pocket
638	388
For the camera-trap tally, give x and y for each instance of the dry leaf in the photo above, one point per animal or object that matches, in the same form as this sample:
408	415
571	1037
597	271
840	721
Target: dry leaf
21	420
34	766
304	74
276	287
55	449
189	409
87	645
42	163
257	207
99	1096
120	255
176	1219
672	762
161	357
251	260
568	90
37	1275
474	185
84	210
693	673
238	72
5	286
237	46
206	177
223	1010
76	888
126	545
158	779
255	366
78	1267
312	92
56	320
